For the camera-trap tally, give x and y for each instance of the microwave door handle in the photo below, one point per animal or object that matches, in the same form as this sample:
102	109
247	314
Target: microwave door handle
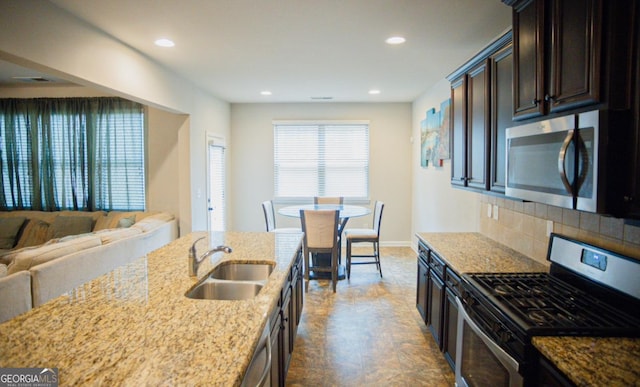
561	162
584	159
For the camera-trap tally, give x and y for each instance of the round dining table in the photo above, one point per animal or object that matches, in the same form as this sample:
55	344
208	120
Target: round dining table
345	211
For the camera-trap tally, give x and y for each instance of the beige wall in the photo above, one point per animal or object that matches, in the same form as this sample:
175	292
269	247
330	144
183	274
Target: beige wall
39	35
251	172
437	207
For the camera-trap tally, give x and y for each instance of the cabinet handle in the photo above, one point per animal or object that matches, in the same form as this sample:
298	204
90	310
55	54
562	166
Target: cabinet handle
549	98
535	102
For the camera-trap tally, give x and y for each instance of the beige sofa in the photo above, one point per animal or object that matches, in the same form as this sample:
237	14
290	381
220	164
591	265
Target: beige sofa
54	252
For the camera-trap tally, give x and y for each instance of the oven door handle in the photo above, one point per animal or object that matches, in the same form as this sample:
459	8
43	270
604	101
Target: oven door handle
562	156
500	354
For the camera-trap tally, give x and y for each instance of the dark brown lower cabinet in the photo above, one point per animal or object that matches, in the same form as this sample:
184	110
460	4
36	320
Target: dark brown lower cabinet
437	289
422	296
549	376
450	340
434	311
284	321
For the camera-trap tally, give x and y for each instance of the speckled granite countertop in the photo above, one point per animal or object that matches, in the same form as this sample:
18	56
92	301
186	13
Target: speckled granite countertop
476	253
594	361
134	326
587	361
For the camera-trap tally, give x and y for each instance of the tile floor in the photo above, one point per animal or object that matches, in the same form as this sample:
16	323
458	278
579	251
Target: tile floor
369	332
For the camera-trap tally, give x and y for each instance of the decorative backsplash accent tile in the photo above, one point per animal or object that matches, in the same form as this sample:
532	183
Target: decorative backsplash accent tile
523	226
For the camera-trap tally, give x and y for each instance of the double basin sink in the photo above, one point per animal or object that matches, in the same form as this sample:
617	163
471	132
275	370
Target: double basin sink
232	281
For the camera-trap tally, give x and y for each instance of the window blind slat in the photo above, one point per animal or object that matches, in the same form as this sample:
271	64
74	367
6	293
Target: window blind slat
321	160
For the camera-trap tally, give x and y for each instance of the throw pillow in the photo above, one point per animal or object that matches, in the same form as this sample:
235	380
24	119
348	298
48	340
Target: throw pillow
36	232
71	225
127	222
9	229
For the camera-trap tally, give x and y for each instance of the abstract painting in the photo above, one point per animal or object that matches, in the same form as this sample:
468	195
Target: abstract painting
434	136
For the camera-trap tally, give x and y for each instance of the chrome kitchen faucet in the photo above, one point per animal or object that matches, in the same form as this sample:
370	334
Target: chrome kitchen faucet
194	262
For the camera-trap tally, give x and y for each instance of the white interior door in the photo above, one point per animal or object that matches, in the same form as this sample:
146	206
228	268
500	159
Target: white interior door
216	184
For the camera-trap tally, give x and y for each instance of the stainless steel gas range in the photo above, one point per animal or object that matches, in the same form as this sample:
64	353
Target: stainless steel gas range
589	291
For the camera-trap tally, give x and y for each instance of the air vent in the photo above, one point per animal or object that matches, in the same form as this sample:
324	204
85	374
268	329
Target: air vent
322	98
31	79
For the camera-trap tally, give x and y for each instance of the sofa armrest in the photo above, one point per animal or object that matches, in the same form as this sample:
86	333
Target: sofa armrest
15	295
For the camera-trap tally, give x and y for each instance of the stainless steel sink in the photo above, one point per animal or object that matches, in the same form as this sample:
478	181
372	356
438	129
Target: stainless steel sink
234	271
224	290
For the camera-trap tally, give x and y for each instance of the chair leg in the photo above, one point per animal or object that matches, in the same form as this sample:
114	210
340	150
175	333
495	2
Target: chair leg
376	251
306	273
348	259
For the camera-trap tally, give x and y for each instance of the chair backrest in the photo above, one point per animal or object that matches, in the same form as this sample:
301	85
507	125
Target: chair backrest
377	216
328	200
320	228
269	215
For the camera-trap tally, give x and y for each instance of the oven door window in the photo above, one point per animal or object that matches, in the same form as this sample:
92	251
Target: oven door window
479	365
480	361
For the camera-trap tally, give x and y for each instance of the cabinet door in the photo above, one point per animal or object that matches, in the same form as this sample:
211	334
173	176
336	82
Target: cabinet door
459	131
422	289
450	338
276	353
575	54
528	57
501	114
287	343
434	313
478	126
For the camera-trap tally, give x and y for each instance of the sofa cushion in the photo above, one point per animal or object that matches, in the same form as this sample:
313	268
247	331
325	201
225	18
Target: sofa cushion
25	259
116	234
34	233
71	225
9	229
112	219
154	221
127	222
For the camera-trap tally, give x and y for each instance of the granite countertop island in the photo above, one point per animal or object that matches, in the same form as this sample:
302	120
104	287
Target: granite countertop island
586	361
134	325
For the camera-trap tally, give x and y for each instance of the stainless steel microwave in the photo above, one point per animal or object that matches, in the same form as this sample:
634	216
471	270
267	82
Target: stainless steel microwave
555	161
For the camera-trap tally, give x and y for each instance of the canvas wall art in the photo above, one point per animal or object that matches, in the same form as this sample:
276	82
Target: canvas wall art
434	136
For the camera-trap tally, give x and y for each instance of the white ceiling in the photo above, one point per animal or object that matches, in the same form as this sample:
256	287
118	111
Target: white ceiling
299	49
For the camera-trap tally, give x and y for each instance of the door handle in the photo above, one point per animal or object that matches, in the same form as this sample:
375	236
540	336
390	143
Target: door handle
561	162
584	167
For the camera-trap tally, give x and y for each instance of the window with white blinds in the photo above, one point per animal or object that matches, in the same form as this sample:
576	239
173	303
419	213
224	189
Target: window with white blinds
321	159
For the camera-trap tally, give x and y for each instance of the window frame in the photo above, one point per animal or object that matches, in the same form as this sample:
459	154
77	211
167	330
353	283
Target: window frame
319	123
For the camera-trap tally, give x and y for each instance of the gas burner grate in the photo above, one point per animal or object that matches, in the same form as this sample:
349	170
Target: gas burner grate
542	301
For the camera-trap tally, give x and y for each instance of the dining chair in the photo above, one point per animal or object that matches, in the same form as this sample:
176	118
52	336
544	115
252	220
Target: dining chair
328	200
368	235
270	219
320	237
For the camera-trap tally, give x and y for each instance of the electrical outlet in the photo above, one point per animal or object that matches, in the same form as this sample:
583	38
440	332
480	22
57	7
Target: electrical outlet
488	210
495	212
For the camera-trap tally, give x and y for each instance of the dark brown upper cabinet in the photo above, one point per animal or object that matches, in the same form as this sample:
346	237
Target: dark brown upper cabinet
480	113
501	114
568	54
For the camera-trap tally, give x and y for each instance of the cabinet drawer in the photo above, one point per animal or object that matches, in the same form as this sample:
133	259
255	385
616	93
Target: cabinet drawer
452	281
437	265
423	253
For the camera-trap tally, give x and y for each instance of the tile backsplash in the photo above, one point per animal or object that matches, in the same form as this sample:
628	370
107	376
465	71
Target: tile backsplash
524	226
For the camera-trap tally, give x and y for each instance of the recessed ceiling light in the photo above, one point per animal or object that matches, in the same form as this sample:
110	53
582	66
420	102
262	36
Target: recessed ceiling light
374	91
396	40
265	92
164	42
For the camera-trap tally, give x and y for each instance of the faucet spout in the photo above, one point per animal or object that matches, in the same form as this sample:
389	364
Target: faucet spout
194	261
